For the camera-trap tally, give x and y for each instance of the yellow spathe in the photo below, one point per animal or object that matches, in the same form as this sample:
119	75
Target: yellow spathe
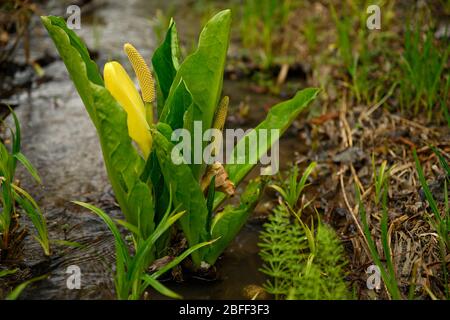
123	90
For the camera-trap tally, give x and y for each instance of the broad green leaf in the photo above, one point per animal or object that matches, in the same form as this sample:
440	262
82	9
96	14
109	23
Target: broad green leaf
123	163
162	197
202	74
165	130
202	71
227	224
186	193
279	117
91	66
140	201
165	62
76	58
181	100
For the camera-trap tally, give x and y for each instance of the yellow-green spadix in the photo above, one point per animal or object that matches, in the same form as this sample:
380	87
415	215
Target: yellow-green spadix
144	77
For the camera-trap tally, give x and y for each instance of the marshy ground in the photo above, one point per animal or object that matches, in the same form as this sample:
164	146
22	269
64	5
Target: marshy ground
362	117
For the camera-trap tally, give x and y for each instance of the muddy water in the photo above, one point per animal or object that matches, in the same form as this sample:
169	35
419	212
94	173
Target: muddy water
61	142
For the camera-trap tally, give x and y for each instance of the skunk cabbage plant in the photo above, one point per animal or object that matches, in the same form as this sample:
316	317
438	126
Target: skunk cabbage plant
135	132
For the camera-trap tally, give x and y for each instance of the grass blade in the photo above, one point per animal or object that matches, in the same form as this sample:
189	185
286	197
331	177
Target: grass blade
158	286
13	295
5	273
27	164
179	258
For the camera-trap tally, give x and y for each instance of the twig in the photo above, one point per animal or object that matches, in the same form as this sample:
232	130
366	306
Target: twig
352	210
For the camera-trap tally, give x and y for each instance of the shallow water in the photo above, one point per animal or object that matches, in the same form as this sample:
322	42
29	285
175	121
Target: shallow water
60	140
